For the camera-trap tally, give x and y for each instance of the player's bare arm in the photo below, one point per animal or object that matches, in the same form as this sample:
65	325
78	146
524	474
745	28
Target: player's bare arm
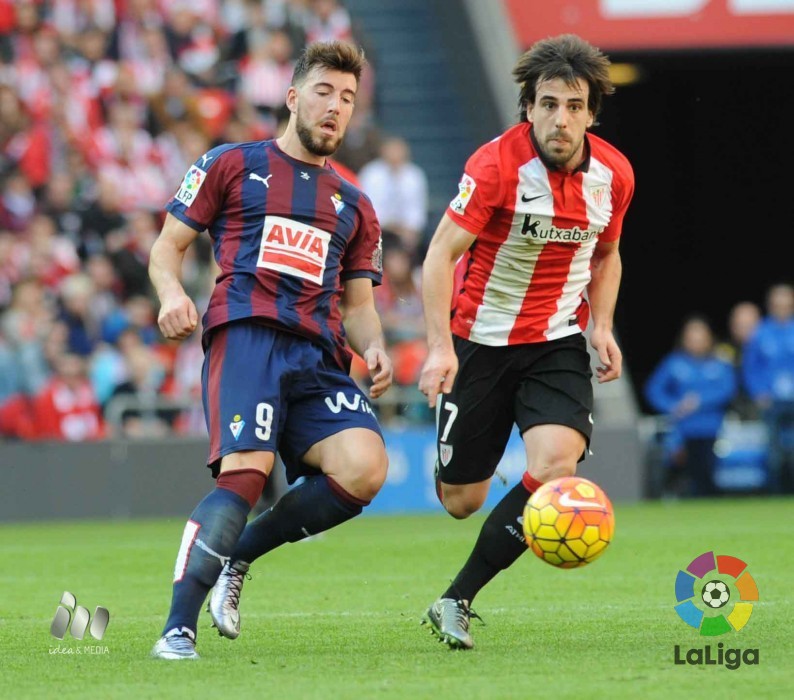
606	269
365	334
450	241
178	316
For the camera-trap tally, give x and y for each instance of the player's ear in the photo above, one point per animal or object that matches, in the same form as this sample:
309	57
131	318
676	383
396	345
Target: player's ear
292	98
590	119
530	107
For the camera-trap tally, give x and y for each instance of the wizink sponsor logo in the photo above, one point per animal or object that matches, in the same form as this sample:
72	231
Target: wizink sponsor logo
357	404
715	596
75	619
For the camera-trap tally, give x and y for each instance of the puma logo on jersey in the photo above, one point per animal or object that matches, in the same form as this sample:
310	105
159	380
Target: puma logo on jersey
294	248
205	159
259	178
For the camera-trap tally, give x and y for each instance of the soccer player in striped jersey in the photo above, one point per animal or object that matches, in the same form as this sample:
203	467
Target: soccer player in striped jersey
299	252
535	228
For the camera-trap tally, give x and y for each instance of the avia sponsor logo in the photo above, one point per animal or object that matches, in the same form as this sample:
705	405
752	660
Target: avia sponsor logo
538	228
357	404
294	248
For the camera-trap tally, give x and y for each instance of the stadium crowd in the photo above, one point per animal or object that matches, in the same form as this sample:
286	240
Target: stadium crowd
104	104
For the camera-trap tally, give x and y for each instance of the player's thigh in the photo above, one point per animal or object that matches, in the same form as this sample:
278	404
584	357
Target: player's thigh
553	451
554	407
473	421
243	393
332	428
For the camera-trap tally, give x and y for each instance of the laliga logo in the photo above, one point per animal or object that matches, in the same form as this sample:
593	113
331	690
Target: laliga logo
714	596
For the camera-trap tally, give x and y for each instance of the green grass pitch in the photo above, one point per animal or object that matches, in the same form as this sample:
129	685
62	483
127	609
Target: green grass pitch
338	617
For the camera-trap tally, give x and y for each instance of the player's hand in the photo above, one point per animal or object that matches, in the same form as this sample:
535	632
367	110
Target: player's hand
380	371
178	317
438	373
609	355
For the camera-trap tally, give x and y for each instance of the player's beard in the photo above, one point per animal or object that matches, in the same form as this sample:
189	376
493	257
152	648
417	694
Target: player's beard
560	158
318	145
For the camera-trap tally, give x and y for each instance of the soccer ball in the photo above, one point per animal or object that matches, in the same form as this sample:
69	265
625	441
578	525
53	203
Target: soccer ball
716	594
568	522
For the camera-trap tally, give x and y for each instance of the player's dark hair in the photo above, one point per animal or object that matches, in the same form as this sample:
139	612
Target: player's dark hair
567	57
334	55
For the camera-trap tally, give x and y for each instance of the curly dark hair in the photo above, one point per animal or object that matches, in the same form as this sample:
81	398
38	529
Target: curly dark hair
569	58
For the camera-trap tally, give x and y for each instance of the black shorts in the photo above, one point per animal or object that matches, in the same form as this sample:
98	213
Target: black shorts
496	387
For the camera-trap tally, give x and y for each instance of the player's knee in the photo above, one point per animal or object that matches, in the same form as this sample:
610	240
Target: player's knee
461	505
553	467
364	476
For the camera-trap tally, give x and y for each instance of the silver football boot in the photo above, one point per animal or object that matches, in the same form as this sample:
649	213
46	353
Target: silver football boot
225	599
449	621
176	644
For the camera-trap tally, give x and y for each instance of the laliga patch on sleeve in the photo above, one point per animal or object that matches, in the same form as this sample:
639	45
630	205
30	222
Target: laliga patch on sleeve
466	188
194	179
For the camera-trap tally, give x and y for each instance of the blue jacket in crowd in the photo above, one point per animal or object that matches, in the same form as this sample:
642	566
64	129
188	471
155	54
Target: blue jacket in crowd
768	361
713	380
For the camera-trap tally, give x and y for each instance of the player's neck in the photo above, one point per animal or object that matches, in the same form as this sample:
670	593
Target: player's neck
291	144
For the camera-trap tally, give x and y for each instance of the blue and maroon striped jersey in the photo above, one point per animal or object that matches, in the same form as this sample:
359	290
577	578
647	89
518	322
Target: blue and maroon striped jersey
286	235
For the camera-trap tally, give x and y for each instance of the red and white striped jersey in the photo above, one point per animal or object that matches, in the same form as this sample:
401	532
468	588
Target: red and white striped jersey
525	275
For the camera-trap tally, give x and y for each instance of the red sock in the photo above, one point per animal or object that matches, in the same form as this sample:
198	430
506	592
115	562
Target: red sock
246	483
531	484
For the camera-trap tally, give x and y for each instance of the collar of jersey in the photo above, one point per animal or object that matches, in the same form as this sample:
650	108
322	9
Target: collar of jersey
583	167
301	163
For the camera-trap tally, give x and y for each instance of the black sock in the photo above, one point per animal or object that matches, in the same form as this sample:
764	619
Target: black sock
316	505
500	543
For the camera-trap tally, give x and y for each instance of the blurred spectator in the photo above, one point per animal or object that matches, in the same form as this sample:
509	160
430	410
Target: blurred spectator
134	406
17	202
102	218
76	314
9	372
768	366
251	32
59	203
65	409
26	325
186	387
129	251
328	20
51	257
398	190
362	141
266	74
743	320
692	386
176	103
399	303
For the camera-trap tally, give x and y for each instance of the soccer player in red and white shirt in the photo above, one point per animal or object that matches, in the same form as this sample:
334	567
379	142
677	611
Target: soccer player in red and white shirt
536	226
